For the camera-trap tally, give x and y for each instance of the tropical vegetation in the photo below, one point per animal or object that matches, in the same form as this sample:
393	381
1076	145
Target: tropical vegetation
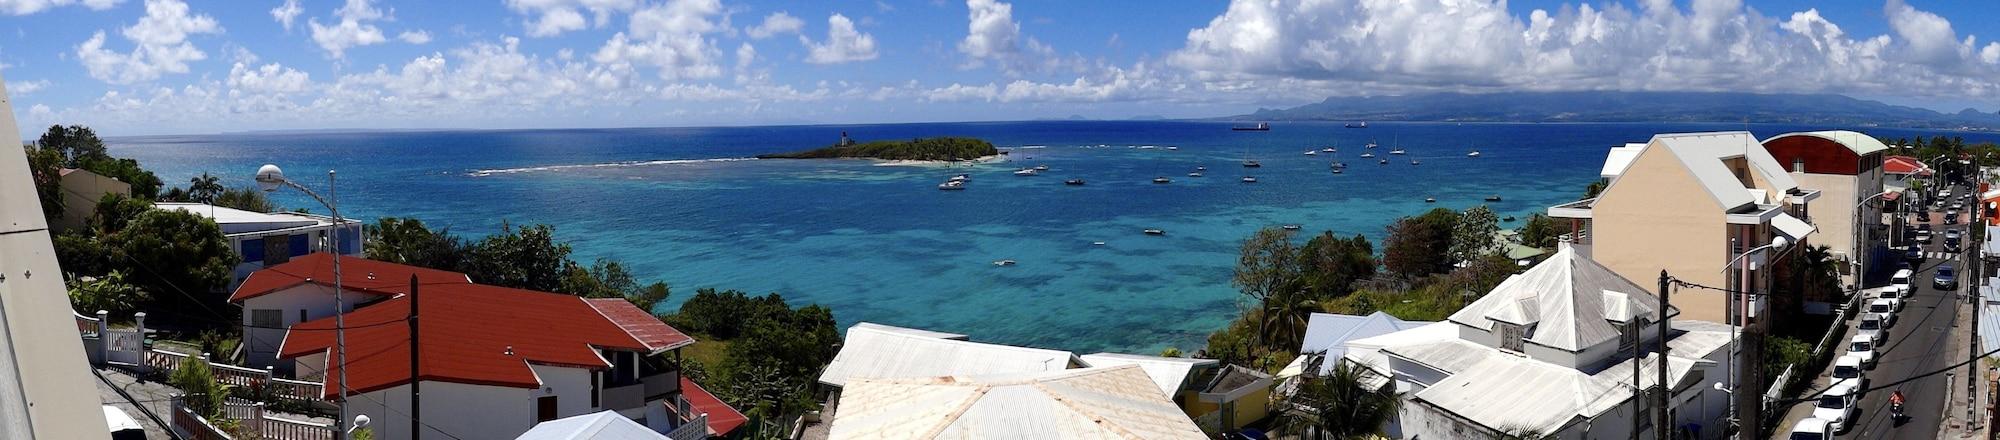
1337	406
937	148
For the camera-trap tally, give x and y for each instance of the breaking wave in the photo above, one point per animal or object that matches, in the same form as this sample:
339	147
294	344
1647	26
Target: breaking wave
631	163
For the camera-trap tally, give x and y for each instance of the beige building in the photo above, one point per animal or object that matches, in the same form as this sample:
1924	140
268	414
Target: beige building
1846	167
1689	204
81	189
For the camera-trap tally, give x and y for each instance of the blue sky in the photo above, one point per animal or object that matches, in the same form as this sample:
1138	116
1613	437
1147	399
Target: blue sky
168	66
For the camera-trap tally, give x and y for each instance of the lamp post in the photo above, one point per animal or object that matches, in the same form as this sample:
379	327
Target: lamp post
270	178
1744	430
1861	260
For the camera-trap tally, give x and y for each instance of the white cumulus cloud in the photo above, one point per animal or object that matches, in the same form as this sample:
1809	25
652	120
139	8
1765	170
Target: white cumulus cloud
25	7
287	13
774	24
18	88
352	27
673	38
843	44
160	45
414	37
548	18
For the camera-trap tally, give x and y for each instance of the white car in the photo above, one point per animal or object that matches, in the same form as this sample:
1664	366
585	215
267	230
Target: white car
1885	310
1812	429
123	426
1837	405
1864	347
1871	326
1847	370
1900	282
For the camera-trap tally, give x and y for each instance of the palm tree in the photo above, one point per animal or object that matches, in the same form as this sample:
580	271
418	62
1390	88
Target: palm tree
1337	406
1285	318
204	188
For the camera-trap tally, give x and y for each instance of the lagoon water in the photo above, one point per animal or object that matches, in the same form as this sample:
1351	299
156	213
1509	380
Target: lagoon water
882	244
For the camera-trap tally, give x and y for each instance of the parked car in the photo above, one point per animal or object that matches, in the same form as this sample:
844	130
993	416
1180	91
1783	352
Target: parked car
1953	234
1847	371
1863	347
1812	429
1958	206
123	426
1923	215
1952	245
1884	309
1900	282
1913	253
1871	326
1924	234
1951	217
1837	405
1947	277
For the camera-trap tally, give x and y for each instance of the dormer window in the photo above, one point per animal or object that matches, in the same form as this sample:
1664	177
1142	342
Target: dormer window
1511	336
1798	164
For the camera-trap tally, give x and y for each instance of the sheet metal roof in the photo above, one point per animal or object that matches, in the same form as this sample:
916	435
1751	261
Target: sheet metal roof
1989	327
872	351
1329	332
607	425
1859	143
236	221
1569	300
1091	403
1169	373
1620	158
1703	156
721	417
356	275
474	334
1793	227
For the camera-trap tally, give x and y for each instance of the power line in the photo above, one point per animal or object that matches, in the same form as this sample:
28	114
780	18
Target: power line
386	407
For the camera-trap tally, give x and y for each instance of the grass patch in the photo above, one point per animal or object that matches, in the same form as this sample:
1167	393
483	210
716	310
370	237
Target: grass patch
708	350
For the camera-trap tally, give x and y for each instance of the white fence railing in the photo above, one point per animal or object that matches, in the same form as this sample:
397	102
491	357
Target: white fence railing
166	362
1827	341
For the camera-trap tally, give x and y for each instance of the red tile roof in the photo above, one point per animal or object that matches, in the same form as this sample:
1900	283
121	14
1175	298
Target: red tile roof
721	417
474	334
655	335
1904	165
357	275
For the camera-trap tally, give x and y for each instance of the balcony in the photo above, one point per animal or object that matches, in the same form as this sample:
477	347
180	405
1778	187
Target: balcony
1573	210
635	394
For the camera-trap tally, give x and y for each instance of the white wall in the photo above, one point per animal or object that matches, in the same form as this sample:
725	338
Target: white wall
464	411
571	386
261	345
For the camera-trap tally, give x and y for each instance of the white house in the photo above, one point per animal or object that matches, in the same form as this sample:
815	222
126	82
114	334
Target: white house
263	239
277	297
1556	342
606	425
1327	335
493	362
1087	403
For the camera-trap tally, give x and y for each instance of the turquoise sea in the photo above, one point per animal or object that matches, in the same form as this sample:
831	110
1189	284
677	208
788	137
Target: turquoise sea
882	244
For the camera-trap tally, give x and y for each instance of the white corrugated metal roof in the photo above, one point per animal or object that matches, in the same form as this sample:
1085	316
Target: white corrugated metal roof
237	221
872	351
911	331
1091	403
1329	332
1169	373
1859	143
1564	299
1620	158
607	425
1368	351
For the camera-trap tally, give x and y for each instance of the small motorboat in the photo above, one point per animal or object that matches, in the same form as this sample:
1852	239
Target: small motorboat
1430	200
1384	162
1155	231
1416	162
1041	167
1339	170
959	178
1097	243
1172	148
1027	172
1311	152
1328	150
1371	145
1398	150
955	185
1073	182
1290	227
1338	164
1194	174
1162	179
1493	198
1003	263
1251	164
1249	179
1367	155
1474	153
1201	168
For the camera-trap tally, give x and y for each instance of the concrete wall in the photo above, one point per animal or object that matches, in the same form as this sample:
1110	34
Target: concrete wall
261	344
571	386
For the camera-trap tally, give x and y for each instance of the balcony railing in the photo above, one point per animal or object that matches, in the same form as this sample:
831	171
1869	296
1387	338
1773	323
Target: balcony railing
636	394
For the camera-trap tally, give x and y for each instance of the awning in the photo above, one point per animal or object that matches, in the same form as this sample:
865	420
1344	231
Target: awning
1792	227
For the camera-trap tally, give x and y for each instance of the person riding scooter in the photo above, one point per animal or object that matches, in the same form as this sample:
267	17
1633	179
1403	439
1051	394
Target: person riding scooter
1896	404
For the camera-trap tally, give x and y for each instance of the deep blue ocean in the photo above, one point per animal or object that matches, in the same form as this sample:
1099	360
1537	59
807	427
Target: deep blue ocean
883	244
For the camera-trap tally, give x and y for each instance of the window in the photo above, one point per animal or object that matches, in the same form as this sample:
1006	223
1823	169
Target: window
596	383
1510	337
267	318
1628	335
545	409
302	315
1798	164
277	250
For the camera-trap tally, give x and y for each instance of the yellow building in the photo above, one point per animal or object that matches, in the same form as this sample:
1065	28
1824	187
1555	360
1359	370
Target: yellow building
1689	204
81	189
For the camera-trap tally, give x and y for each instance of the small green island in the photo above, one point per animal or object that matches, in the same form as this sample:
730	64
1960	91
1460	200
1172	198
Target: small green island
927	149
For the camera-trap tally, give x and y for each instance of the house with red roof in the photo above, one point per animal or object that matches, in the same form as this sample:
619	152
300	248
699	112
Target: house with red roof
1897	171
280	296
489	361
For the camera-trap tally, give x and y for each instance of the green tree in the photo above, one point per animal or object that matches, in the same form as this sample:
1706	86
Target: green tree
1339	405
109	292
524	258
1472	235
174	250
1540	231
144	183
204	188
1332	264
407	241
247	199
1267	266
1596	188
606	278
77	144
1421	245
45	167
114	211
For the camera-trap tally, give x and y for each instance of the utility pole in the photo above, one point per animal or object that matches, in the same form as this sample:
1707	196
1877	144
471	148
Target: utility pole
1638	393
416	380
1660	403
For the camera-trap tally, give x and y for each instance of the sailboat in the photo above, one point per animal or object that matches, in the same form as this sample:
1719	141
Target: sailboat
1474	153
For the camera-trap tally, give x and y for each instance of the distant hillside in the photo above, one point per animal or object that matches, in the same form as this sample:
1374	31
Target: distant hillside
938	148
1816	109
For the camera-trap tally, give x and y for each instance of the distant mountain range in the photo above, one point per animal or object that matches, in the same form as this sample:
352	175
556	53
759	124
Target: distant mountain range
1811	109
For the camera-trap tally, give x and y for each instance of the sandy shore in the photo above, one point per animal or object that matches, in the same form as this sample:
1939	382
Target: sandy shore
940	163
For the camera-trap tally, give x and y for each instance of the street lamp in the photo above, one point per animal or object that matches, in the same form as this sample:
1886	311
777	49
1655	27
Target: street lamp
270	178
1742	313
1861	262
